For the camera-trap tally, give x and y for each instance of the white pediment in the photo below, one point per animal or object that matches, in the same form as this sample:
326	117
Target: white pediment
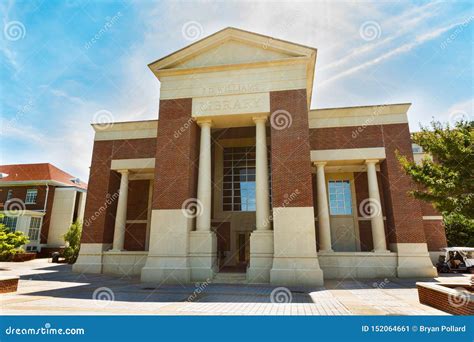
233	52
229	47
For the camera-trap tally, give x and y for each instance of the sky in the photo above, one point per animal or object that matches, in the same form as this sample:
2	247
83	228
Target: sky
66	64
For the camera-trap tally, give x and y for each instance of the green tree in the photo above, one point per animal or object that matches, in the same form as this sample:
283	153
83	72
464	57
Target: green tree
73	240
10	242
446	180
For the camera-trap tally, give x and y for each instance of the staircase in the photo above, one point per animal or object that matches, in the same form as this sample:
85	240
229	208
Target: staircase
230	278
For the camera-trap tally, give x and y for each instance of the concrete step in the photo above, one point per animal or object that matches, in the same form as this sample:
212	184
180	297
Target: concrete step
230	278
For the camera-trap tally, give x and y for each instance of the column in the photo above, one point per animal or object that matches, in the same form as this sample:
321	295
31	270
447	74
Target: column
378	231
203	241
261	239
323	209
121	215
262	192
203	221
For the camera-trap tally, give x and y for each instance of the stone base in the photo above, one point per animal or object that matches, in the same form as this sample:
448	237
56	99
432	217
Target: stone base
124	263
295	260
413	260
296	272
90	258
202	255
168	261
261	256
355	265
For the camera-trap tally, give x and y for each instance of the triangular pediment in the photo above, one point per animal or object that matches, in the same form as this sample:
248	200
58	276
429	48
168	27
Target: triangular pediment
231	46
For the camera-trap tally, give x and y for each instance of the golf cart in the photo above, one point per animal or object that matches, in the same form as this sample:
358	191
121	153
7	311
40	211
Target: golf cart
456	259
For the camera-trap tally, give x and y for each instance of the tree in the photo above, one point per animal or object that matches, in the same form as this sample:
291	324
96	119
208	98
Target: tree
73	240
11	242
446	180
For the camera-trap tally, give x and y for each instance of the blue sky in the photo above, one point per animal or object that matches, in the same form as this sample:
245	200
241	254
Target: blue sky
55	77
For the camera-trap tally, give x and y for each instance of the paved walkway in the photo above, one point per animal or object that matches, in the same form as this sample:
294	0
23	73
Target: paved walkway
52	289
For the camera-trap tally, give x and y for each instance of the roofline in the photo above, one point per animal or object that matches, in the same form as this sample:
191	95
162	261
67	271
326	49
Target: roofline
121	122
232	28
366	106
41	182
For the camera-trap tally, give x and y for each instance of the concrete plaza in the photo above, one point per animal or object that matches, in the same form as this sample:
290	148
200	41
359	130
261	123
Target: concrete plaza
53	289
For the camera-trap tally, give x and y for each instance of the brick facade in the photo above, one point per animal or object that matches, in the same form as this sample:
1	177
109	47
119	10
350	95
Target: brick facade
101	203
290	158
178	155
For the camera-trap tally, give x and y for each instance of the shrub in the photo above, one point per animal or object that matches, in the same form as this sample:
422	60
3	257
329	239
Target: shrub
73	241
11	242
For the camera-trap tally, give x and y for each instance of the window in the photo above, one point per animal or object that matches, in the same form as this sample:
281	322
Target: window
239	179
10	222
340	202
9	194
31	195
35	225
416	148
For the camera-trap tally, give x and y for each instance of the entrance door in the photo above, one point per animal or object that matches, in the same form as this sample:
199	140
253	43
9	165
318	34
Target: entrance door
344	231
223	243
243	249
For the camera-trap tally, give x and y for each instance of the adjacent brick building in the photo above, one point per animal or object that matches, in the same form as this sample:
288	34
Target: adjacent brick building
239	174
42	201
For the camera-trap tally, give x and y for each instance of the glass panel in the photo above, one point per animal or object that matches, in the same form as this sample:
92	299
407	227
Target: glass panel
340	197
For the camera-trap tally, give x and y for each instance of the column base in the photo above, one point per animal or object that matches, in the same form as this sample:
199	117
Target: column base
413	260
261	256
167	261
295	260
90	258
202	255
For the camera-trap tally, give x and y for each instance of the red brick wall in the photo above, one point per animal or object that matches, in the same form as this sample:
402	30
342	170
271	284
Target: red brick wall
441	301
177	154
290	158
344	137
47	216
135	236
435	234
404	216
101	202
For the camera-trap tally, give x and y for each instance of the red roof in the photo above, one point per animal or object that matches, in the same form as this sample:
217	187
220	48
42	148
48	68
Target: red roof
37	172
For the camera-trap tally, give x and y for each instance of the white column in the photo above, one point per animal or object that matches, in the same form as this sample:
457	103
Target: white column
262	192
378	231
121	215
323	209
203	221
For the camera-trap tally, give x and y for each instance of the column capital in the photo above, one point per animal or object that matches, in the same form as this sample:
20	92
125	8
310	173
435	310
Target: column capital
123	171
320	163
204	122
371	161
260	118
